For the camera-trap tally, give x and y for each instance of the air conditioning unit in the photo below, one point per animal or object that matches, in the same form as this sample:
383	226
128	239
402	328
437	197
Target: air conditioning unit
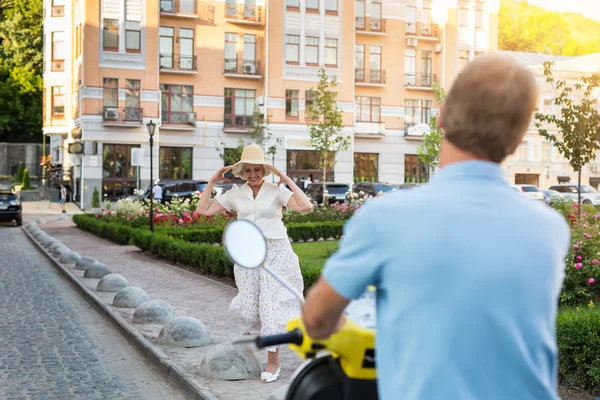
412	42
250	69
595	168
438	48
191	119
111	114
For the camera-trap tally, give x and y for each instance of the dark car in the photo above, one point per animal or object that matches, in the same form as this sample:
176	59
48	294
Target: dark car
10	208
178	188
373	188
336	191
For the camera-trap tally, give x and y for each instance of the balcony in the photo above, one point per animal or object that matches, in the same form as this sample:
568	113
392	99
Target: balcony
178	64
369	77
370	26
179	8
247	69
122	117
58	11
421	31
369	129
419	81
178	120
235	123
243	14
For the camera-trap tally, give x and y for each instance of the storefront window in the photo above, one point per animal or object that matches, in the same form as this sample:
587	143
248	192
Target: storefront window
303	164
365	167
415	170
119	177
175	163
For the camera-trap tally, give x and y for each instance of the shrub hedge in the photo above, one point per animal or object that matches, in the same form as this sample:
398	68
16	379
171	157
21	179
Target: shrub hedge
177	246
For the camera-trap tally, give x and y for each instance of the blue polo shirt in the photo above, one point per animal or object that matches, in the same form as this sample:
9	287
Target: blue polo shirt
468	272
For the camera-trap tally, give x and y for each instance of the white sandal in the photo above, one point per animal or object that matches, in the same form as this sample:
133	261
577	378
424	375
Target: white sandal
268	377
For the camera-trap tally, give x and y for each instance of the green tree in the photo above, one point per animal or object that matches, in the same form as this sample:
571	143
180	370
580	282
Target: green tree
95	198
327	121
578	125
429	150
26	180
19	175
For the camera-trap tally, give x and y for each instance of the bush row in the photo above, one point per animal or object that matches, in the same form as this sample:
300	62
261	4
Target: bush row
207	257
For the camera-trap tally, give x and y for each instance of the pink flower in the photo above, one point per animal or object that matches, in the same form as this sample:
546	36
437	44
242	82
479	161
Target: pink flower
595	261
578	258
180	221
591	280
587	236
578	266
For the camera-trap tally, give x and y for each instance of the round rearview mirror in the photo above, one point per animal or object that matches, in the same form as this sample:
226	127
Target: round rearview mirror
245	244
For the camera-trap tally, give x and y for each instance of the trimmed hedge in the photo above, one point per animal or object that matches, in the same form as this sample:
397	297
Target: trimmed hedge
578	336
185	249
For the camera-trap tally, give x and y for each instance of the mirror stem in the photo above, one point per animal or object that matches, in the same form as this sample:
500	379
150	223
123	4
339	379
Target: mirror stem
285	283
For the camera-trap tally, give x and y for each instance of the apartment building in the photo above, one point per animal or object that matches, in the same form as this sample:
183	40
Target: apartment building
199	69
536	161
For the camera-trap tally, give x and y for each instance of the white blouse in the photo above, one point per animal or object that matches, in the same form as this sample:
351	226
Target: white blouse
265	211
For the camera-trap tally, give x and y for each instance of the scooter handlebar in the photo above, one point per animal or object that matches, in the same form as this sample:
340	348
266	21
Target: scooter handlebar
294	336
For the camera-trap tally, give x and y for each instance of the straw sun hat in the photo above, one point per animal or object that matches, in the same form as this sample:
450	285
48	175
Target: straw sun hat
253	154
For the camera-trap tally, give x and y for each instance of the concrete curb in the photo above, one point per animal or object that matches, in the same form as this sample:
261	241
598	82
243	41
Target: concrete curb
166	368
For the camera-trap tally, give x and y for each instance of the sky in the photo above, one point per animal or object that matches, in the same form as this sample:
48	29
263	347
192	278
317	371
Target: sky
589	8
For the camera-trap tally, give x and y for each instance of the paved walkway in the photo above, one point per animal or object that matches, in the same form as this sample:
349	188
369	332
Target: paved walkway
44	208
52	345
188	293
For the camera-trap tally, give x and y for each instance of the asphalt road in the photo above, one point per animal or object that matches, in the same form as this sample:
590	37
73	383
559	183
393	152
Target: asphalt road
53	345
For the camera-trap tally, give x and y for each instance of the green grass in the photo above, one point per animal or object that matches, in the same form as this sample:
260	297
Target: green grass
314	254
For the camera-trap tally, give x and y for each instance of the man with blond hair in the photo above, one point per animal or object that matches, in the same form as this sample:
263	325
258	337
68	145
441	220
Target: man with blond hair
468	271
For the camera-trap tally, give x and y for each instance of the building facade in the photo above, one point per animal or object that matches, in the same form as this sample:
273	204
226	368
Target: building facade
536	161
201	69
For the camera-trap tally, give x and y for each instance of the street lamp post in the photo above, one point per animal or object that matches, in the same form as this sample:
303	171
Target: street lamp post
151	127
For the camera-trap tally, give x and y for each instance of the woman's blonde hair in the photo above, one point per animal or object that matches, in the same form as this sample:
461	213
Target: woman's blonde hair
489	107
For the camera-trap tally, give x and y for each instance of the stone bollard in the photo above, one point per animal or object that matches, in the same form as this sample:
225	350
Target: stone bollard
96	271
130	297
153	312
112	283
280	393
85	262
231	362
69	258
184	332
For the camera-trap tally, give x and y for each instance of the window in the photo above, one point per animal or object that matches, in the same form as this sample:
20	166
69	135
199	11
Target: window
463	13
110	92
548	106
166	47
309	97
312	50
292	48
416	112
177	104
368	109
359	62
365	167
426	25
239	107
479	13
410	67
111	34
132	100
331	52
463	59
119	177
133	36
426	60
331	6
58	48
250	48
231	52
375	58
186	48
415	170
523	151
292	3
58	102
546	151
302	164
376	22
359	6
291	103
76	50
176	163
312	5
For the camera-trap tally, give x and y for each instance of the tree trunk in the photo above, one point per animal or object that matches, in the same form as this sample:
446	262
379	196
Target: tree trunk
579	195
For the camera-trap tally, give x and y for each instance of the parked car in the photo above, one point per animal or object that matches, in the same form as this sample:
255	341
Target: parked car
408	186
373	188
179	188
589	195
337	191
10	207
530	191
549	195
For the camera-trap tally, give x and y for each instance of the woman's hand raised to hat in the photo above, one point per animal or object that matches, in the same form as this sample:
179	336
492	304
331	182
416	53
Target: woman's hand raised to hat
283	178
220	175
